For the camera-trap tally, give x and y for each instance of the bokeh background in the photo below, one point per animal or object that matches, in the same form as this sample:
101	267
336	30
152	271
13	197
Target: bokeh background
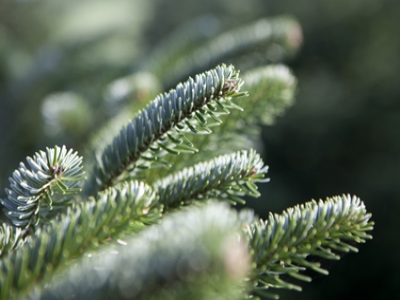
342	136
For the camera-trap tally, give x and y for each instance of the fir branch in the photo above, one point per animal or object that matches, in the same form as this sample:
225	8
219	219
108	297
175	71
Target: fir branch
160	128
283	33
272	89
225	177
192	254
126	208
30	195
280	245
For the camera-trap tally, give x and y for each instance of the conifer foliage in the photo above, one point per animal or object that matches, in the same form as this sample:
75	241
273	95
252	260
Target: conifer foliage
151	216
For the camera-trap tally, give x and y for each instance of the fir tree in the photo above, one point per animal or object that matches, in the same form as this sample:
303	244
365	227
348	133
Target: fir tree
148	215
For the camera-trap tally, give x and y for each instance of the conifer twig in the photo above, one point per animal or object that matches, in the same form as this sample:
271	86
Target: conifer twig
160	128
280	245
84	226
30	195
193	254
226	177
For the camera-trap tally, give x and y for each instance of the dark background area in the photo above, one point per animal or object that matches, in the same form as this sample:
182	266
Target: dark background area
342	135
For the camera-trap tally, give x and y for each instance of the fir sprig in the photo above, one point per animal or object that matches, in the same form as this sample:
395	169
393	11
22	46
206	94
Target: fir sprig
272	37
84	226
193	254
281	245
56	171
162	126
273	89
225	178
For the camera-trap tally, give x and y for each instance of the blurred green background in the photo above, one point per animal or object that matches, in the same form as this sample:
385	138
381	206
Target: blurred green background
342	136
